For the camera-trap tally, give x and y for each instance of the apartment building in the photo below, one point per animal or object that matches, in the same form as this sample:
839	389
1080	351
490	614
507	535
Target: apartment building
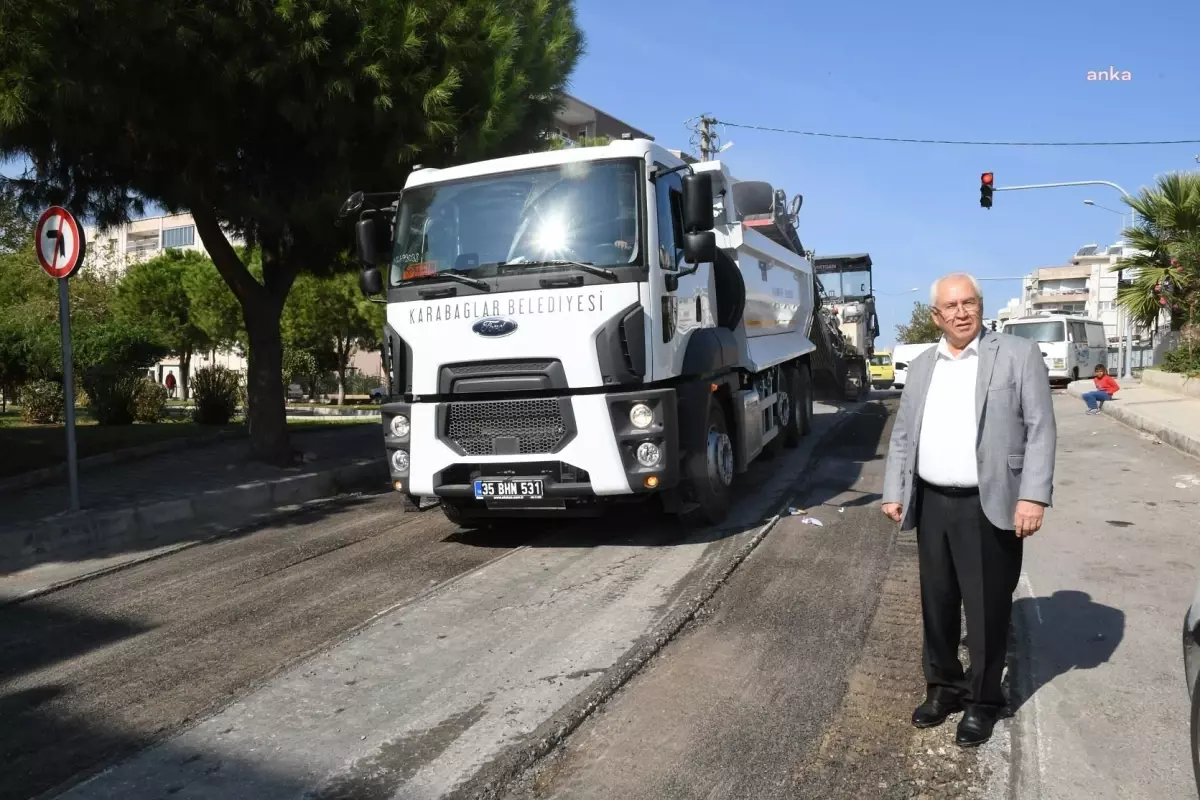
114	249
1085	286
578	120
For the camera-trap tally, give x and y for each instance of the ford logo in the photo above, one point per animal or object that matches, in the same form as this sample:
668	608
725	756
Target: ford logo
494	326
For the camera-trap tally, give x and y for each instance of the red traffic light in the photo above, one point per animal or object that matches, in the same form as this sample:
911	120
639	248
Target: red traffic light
986	179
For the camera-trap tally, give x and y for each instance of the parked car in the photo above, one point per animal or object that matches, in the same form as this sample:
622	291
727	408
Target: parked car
1191	668
883	375
378	394
901	356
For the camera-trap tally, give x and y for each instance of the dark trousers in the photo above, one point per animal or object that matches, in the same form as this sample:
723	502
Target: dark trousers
966	563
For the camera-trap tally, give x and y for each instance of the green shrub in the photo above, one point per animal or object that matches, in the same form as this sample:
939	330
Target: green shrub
149	402
42	402
113	396
216	391
1182	359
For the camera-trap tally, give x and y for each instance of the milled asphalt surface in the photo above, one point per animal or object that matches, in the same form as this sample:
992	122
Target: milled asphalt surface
93	673
227	656
1104	706
734	706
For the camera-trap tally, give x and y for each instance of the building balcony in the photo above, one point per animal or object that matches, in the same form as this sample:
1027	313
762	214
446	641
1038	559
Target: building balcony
1059	296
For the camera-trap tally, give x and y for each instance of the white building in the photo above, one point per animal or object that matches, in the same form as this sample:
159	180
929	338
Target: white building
114	249
1012	310
1086	286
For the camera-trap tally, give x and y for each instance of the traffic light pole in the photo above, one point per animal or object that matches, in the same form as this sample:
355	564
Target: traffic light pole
1127	361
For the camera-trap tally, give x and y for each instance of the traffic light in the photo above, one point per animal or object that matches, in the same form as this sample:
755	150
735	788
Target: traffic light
993	326
985	190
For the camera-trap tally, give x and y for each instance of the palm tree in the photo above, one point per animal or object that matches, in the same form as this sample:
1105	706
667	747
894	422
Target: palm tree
1164	267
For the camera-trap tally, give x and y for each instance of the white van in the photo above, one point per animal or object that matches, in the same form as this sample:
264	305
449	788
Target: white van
902	356
1071	346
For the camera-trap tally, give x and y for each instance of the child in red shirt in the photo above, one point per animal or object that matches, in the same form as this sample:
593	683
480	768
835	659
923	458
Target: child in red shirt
1106	389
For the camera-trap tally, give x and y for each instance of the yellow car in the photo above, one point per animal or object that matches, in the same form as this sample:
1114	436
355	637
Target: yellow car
883	374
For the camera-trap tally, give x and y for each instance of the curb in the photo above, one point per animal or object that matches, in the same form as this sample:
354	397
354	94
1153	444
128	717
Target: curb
1189	445
494	779
73	536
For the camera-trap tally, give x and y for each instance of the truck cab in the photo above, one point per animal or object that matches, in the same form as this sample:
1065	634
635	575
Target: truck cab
581	326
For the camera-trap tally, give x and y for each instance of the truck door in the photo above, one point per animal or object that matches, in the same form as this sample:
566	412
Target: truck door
687	307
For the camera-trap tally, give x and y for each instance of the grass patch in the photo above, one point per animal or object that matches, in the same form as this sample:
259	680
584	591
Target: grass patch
30	447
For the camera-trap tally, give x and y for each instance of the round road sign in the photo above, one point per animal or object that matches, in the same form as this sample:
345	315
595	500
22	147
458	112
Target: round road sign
59	242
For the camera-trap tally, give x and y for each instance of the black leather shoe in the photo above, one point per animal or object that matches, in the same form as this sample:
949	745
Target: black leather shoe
939	704
975	727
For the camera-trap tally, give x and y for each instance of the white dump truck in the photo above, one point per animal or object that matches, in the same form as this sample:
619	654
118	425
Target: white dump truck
588	325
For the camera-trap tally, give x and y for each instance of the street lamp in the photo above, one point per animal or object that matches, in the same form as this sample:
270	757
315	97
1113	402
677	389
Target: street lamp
1124	324
1120	214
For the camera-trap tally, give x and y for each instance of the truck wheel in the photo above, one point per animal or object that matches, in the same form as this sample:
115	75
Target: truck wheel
710	471
803	407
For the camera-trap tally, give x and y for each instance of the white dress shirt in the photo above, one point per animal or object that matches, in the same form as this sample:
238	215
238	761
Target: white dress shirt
949	430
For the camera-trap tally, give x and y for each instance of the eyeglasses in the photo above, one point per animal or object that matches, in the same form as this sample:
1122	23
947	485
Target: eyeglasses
970	305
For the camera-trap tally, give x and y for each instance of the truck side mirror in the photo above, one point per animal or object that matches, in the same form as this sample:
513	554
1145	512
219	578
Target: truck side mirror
697	202
700	248
370	281
366	239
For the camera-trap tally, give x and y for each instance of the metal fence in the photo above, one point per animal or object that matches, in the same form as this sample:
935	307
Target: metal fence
1145	353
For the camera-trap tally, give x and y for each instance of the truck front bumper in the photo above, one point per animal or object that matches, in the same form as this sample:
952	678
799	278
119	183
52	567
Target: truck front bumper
581	447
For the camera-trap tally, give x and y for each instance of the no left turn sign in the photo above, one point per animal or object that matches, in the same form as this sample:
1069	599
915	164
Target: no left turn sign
60	242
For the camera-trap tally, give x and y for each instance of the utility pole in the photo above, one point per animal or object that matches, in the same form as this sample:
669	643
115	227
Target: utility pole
706	137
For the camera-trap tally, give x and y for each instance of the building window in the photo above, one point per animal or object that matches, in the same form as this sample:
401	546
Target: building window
179	237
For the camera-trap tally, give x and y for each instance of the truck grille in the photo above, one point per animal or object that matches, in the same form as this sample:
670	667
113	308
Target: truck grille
536	425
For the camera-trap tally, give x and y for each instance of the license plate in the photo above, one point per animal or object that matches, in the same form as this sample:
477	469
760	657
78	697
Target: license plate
508	490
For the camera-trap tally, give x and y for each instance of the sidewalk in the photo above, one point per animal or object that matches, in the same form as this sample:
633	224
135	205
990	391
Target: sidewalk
1172	417
173	498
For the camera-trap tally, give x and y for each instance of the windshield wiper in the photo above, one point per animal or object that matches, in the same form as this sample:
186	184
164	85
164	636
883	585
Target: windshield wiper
586	266
454	276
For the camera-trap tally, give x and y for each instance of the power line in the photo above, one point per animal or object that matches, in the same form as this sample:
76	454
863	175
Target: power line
951	141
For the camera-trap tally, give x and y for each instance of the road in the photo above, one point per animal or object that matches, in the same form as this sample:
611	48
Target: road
331	649
1103	708
357	652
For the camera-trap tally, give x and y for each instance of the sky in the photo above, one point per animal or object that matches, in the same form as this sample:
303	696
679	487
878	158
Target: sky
1014	71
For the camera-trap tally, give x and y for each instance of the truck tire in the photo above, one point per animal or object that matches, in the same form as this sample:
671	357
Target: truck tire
710	471
791	400
803	407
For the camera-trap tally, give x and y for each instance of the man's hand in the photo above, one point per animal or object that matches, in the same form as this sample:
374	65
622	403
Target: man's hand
1028	519
893	511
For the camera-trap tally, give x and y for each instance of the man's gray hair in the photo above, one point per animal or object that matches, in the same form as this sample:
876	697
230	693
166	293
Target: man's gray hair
966	276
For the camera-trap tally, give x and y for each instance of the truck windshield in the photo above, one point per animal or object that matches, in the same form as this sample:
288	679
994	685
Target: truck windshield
881	361
583	212
1038	331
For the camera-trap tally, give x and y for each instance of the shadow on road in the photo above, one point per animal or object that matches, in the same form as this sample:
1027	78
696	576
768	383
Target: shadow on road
1068	631
35	636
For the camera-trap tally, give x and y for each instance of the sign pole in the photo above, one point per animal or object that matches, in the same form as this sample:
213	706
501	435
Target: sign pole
60	242
64	316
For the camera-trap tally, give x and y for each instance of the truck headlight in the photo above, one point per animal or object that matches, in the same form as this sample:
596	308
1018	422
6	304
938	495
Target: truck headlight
648	454
400	427
641	416
400	460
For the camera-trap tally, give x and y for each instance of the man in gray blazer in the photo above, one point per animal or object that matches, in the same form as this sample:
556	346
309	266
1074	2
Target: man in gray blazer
971	466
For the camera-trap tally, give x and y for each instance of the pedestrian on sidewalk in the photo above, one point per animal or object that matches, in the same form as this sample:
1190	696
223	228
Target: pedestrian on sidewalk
971	467
1106	389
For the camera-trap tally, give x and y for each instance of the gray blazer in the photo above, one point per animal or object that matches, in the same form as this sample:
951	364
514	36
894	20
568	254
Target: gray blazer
1017	431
